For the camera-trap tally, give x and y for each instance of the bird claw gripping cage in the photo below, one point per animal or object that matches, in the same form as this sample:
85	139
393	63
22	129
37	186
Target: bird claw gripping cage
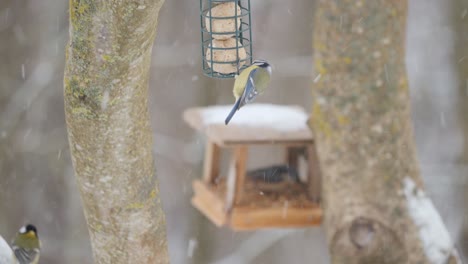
226	37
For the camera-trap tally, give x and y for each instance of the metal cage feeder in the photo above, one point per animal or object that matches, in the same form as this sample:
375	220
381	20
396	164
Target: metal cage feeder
226	37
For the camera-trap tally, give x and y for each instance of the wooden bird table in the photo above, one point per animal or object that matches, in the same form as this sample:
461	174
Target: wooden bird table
236	200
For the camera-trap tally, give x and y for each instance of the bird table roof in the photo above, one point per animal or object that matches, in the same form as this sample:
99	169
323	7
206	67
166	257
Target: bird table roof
252	124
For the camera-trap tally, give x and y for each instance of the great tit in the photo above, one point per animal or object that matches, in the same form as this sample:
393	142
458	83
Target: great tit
26	245
252	81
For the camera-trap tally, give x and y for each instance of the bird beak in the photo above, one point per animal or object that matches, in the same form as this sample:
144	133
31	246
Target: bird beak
31	234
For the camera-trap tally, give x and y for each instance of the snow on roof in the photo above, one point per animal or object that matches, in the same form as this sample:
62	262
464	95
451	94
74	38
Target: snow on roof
279	117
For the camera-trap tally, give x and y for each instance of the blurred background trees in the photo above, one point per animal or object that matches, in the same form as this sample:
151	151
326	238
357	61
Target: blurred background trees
37	183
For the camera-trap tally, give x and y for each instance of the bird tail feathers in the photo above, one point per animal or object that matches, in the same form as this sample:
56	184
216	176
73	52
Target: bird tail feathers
233	111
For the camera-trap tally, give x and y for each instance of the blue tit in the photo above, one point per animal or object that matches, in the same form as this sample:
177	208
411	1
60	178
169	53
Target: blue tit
251	82
26	245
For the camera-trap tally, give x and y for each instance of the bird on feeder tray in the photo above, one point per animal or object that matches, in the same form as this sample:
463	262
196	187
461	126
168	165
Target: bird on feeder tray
251	82
26	245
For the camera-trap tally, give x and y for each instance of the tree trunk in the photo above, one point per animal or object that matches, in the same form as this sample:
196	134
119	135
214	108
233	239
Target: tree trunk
460	20
106	104
375	209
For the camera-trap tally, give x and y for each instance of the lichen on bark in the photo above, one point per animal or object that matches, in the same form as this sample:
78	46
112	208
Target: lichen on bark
106	88
362	124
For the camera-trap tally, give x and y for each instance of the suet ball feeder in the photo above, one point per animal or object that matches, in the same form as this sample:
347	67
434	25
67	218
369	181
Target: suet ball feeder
226	37
226	50
222	27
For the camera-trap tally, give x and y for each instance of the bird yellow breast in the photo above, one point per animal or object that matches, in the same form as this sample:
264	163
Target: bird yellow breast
241	81
30	234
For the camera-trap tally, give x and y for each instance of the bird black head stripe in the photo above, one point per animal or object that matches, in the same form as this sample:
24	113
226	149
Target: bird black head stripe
30	227
261	63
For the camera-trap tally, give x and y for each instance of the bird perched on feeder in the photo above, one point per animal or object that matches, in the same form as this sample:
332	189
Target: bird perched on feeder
26	245
252	81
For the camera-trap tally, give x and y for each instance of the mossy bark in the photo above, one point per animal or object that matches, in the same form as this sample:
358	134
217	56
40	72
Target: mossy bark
362	124
106	104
